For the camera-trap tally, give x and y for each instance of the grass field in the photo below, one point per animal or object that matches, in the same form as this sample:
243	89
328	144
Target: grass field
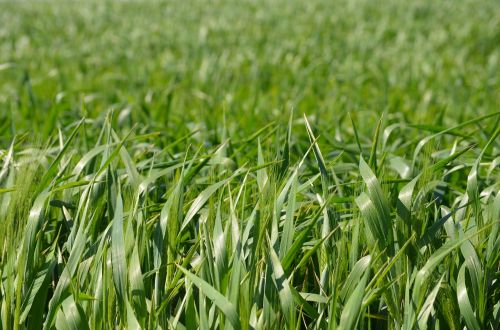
250	164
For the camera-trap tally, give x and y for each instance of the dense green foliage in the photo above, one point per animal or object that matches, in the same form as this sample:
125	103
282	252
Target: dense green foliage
250	165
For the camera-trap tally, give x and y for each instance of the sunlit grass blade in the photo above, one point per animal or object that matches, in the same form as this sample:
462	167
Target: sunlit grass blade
464	302
352	309
222	302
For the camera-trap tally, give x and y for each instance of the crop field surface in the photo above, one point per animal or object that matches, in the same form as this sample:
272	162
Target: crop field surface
250	164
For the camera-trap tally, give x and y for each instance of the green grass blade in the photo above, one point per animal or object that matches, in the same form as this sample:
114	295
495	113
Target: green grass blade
219	300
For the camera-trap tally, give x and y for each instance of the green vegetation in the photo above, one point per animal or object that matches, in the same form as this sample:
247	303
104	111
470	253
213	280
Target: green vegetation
250	165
